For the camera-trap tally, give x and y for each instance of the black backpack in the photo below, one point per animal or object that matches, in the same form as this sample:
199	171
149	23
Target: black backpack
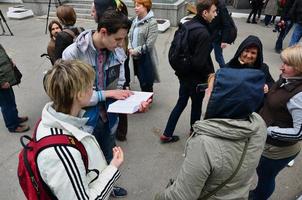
179	52
231	31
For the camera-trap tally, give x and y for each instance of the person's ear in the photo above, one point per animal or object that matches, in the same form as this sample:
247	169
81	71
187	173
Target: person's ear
103	31
79	96
204	13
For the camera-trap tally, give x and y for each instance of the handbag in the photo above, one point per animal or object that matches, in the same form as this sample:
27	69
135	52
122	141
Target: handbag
145	69
18	75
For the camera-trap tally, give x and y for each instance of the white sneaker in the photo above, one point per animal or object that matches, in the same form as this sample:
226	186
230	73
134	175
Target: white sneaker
291	163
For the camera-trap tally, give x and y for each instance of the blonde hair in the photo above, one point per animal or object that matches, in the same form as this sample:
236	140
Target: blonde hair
65	80
146	3
292	56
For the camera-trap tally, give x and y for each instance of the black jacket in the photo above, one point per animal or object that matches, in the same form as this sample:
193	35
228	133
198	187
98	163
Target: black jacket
296	12
199	42
64	39
259	64
221	23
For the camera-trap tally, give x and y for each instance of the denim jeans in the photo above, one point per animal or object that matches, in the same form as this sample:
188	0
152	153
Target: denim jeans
105	139
186	90
267	19
218	53
267	171
9	108
282	35
297	34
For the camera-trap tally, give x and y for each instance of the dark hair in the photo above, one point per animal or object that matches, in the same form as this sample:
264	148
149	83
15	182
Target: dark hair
52	22
202	5
66	15
113	20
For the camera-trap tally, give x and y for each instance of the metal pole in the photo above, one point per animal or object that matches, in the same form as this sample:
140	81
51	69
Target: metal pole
3	19
49	3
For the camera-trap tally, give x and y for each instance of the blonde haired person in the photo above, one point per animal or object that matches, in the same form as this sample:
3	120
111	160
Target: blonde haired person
69	86
282	112
142	36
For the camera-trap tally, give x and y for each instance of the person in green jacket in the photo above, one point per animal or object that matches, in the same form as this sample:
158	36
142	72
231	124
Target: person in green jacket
12	121
231	137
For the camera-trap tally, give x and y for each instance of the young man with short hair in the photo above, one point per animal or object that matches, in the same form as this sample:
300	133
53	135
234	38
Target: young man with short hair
103	50
201	66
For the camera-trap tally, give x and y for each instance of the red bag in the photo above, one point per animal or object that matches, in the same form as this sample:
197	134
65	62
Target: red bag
30	180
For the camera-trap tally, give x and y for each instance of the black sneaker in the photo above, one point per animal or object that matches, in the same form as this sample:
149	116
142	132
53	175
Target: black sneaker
118	192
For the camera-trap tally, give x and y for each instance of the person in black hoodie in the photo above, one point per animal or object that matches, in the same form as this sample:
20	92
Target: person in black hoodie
199	42
220	27
250	55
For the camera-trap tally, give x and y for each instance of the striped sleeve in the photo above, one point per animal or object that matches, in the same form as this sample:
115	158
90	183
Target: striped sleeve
63	170
295	133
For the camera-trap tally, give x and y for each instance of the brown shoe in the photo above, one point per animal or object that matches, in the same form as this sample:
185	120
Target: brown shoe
21	129
22	119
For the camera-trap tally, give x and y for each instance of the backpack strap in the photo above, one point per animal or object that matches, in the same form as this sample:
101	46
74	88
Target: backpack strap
55	140
62	140
219	187
70	32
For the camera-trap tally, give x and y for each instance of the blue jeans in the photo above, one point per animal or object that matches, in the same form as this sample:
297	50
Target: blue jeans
267	19
9	108
186	90
218	53
297	34
105	139
267	171
282	35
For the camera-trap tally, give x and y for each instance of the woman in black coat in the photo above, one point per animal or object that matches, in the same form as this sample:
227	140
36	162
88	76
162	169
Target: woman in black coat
250	55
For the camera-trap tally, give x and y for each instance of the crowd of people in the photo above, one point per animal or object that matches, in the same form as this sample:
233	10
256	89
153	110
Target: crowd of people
290	15
252	124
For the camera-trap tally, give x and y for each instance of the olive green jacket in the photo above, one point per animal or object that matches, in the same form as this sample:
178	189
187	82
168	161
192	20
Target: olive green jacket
6	68
212	155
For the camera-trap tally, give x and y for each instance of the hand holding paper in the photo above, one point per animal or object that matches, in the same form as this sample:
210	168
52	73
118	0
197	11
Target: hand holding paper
131	104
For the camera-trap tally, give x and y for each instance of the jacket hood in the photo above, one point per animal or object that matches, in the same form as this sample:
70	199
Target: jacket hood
232	129
236	93
84	42
250	40
77	125
148	16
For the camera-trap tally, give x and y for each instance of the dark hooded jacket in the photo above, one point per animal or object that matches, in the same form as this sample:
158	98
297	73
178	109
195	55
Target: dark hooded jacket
236	94
213	151
259	64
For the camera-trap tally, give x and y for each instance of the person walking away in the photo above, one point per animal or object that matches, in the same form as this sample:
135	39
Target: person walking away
224	150
282	113
286	22
256	5
54	28
271	10
201	65
9	110
296	14
220	29
142	36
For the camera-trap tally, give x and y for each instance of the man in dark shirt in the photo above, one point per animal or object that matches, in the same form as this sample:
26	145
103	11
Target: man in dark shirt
201	66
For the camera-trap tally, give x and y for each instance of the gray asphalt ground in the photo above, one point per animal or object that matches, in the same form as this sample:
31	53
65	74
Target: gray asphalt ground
148	164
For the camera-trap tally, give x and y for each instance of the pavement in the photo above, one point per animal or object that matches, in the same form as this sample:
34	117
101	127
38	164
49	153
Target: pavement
148	164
